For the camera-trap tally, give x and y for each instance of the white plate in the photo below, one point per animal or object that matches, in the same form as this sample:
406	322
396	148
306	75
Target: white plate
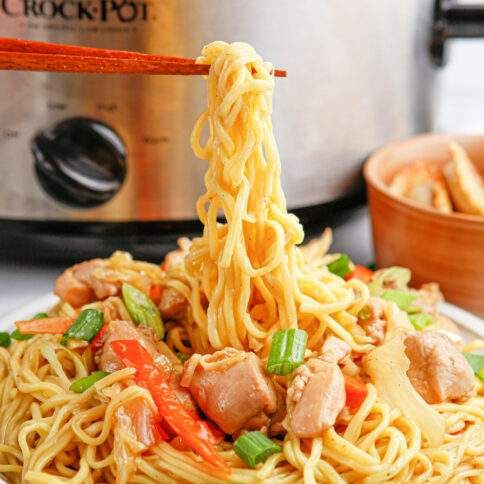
472	326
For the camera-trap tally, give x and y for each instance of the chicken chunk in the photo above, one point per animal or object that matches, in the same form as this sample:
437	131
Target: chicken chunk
235	394
371	319
80	285
315	398
137	420
172	304
122	330
438	371
334	350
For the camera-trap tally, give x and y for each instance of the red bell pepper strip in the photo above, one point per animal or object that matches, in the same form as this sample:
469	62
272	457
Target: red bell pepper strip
193	432
360	272
56	325
97	342
356	392
155	293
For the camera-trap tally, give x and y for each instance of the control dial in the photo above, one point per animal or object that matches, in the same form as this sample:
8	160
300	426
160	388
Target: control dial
80	162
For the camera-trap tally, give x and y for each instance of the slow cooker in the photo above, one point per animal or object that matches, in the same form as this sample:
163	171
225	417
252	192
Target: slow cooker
90	163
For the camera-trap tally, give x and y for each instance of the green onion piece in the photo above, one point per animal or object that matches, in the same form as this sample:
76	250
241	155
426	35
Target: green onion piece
402	299
86	326
5	339
477	363
142	309
287	351
421	320
81	385
413	309
372	266
182	356
340	266
254	448
19	336
395	277
40	316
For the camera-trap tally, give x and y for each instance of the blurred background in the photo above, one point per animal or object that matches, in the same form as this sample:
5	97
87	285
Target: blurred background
90	165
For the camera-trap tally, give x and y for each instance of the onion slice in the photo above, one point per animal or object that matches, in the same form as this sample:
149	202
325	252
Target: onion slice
387	367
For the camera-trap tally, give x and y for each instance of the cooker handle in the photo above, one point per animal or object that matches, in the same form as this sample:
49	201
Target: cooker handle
454	20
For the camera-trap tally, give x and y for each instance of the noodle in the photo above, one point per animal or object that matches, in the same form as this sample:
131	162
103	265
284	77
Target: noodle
244	278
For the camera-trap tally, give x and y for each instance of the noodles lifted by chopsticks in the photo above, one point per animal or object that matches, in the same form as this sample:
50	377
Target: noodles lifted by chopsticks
249	268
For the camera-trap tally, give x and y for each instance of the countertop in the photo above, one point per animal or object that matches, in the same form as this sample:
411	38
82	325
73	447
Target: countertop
459	102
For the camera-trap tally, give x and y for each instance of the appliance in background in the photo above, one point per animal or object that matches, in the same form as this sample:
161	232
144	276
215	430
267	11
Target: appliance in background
91	163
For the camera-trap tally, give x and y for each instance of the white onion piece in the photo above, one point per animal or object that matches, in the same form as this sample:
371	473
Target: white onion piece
387	367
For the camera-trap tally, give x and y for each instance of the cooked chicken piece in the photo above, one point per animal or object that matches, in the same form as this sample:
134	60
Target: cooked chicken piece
465	184
372	319
80	285
424	184
172	304
137	418
315	397
177	257
334	350
235	393
438	371
122	330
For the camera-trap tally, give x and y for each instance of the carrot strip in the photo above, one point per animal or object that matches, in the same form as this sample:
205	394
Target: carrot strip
56	325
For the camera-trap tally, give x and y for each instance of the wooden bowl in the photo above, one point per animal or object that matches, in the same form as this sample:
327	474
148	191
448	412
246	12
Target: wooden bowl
446	248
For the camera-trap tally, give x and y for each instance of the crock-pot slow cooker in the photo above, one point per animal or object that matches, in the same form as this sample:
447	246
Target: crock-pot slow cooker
93	162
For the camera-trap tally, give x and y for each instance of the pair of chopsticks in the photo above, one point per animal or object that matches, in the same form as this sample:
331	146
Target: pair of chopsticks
29	55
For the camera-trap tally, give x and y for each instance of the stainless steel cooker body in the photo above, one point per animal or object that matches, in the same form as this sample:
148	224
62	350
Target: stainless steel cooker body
116	148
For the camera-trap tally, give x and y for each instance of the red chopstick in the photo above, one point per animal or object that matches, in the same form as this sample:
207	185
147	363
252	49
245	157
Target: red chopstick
29	55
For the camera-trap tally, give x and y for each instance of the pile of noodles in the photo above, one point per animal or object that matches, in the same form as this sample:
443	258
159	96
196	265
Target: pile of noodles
244	278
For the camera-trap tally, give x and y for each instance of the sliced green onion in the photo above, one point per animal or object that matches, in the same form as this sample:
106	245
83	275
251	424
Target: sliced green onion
372	266
85	327
40	316
142	309
182	356
395	277
340	266
421	320
413	309
5	339
287	351
254	448
402	299
477	364
17	335
81	385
